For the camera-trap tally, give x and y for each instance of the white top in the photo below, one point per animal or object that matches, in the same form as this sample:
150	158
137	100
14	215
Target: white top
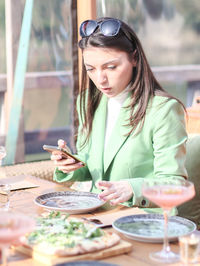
113	108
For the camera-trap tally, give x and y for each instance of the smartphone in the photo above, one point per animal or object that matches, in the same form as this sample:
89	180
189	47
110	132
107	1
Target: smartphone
64	152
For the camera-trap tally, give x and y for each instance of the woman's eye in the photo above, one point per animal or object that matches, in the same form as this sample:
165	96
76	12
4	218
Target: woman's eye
89	69
111	67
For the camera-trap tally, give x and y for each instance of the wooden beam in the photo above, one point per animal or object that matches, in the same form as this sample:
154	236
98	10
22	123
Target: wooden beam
13	14
9	58
50	79
85	10
74	71
13	141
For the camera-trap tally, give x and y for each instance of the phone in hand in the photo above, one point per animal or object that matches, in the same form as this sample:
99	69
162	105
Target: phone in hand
64	152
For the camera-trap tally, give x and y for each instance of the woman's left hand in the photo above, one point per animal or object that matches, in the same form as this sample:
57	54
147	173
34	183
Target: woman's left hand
117	191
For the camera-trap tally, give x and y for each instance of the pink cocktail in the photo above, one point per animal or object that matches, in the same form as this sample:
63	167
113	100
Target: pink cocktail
12	227
167	194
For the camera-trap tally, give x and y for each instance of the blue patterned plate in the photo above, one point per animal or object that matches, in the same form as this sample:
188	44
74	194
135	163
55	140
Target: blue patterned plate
85	263
71	202
150	227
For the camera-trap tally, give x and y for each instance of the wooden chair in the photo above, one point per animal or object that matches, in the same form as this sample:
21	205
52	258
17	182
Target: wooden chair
191	209
193	117
42	169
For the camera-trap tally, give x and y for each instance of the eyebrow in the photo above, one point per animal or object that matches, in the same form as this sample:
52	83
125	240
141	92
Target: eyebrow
108	62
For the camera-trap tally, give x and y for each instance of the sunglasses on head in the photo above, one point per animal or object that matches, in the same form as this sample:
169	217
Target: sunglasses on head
109	27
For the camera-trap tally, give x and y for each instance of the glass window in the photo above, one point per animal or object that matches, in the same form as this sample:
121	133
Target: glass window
47	111
2	70
48	98
170	35
2	38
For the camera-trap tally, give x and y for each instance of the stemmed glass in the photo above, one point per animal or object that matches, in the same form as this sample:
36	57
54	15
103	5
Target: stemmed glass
12	227
167	194
2	153
4	187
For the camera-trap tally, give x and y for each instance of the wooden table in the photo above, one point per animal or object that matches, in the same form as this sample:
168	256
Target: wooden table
23	201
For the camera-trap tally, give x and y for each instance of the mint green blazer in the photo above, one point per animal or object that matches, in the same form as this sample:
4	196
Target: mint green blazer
158	150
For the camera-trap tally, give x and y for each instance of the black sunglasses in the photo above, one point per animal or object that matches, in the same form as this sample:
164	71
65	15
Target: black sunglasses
109	27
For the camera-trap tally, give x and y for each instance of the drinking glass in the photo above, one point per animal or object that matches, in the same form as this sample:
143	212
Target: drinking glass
167	194
189	248
4	188
4	196
2	153
12	227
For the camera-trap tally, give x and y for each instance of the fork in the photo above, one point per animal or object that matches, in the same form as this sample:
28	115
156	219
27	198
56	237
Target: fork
96	222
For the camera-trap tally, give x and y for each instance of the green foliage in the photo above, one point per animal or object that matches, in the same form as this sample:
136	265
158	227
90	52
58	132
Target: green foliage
127	10
191	13
2	15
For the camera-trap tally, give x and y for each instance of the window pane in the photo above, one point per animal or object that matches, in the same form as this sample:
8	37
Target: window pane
2	38
2	70
170	35
47	112
48	99
50	47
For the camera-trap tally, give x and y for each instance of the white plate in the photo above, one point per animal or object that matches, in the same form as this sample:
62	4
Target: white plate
71	202
150	227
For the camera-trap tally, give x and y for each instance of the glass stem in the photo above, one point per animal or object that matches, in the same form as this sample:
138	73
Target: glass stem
4	254
166	247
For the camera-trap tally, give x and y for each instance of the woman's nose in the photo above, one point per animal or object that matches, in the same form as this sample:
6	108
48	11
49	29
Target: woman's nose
101	78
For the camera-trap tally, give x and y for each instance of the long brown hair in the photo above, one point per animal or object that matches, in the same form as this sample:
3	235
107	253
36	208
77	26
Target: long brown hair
144	84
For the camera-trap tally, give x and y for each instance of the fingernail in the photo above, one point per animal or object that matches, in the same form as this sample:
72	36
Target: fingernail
101	198
61	142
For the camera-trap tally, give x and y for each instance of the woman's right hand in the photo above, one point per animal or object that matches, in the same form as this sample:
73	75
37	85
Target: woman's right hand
65	165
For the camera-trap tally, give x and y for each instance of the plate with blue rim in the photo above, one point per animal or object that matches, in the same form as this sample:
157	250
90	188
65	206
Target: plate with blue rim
150	227
72	202
85	263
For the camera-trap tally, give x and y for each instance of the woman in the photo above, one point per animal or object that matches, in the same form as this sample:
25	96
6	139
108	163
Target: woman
130	129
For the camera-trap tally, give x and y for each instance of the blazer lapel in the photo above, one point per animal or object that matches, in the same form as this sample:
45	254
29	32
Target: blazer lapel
118	136
97	138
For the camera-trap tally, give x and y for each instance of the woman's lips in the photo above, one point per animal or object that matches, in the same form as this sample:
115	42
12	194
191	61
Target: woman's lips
106	89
